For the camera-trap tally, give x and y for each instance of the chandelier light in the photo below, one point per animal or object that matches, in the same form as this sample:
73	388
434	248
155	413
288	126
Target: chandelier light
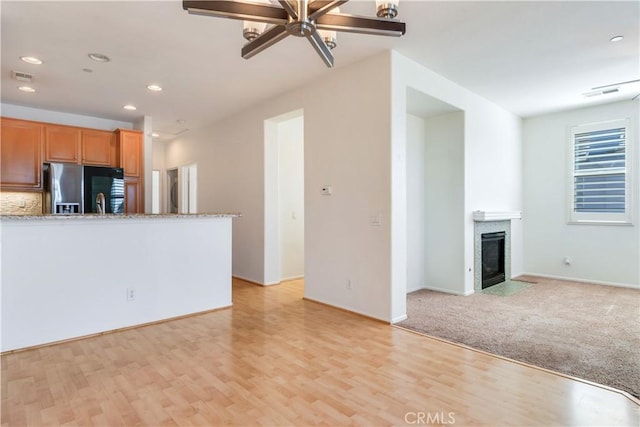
328	36
387	8
316	20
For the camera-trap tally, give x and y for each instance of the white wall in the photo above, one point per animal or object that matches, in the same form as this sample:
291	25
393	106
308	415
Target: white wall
291	197
48	116
600	253
416	203
157	163
493	175
86	265
346	145
444	175
489	130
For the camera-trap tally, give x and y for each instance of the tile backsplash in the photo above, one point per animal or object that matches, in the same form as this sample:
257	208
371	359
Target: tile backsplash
20	203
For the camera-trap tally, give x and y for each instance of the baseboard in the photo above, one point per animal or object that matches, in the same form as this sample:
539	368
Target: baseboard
399	319
288	279
271	284
347	310
244	279
113	331
448	291
409	290
253	282
577	279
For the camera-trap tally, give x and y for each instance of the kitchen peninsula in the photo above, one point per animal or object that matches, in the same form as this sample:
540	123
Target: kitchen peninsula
68	276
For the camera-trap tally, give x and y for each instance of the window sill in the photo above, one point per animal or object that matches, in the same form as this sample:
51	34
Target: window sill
594	222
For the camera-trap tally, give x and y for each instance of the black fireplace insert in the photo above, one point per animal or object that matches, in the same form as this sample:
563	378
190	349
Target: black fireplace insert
493	258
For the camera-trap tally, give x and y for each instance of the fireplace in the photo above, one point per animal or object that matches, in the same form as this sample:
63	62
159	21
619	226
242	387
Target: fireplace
493	265
490	223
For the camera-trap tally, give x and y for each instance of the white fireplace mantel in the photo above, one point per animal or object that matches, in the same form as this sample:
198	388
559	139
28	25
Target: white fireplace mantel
484	216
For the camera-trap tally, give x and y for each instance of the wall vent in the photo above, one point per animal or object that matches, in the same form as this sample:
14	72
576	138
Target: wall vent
22	76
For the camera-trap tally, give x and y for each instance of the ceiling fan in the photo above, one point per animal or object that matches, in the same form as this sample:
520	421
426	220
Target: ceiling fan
317	20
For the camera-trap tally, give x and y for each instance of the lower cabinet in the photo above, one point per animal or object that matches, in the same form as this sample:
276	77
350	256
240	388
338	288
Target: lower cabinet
133	196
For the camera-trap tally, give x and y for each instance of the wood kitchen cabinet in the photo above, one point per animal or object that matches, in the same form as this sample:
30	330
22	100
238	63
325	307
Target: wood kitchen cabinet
21	155
61	144
130	145
130	148
133	196
69	144
98	148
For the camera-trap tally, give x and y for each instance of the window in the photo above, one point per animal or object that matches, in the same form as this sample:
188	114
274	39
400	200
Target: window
600	175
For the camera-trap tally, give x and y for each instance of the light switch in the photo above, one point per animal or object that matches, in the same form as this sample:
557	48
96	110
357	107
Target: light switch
327	190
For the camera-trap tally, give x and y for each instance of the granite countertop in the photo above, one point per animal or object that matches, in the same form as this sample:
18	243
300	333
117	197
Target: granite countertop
116	217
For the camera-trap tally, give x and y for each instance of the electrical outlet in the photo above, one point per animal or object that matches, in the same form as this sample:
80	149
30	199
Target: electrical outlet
131	294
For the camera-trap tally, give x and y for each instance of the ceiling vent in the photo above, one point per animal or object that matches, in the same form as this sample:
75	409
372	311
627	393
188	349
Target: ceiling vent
22	77
601	92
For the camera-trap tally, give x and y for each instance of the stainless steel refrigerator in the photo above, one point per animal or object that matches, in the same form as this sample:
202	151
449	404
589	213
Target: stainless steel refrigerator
77	189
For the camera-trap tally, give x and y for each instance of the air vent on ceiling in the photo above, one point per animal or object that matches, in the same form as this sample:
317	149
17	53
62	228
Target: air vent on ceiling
601	92
22	77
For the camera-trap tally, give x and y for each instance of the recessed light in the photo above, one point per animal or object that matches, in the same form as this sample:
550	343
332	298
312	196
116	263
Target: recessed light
99	57
616	39
27	89
154	88
155	134
31	60
130	107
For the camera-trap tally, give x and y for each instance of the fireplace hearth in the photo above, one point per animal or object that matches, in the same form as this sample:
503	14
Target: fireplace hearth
493	260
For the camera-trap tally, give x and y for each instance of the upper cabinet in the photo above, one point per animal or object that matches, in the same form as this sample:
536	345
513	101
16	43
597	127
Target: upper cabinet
61	144
69	144
130	145
21	159
98	148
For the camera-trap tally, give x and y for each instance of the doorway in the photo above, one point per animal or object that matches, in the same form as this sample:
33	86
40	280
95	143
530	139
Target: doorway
172	191
189	189
284	198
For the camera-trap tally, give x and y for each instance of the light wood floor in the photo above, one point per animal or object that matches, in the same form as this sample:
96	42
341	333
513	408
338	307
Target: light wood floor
275	359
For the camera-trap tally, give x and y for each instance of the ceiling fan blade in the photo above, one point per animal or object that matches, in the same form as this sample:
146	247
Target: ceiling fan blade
290	7
248	11
320	7
321	47
265	40
360	24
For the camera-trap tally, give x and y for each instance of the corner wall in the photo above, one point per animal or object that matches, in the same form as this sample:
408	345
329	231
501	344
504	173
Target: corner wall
346	145
490	133
601	253
416	203
445	191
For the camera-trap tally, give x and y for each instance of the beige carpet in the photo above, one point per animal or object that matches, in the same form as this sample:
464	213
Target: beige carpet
584	330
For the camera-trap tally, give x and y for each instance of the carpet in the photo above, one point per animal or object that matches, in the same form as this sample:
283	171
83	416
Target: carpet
583	330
